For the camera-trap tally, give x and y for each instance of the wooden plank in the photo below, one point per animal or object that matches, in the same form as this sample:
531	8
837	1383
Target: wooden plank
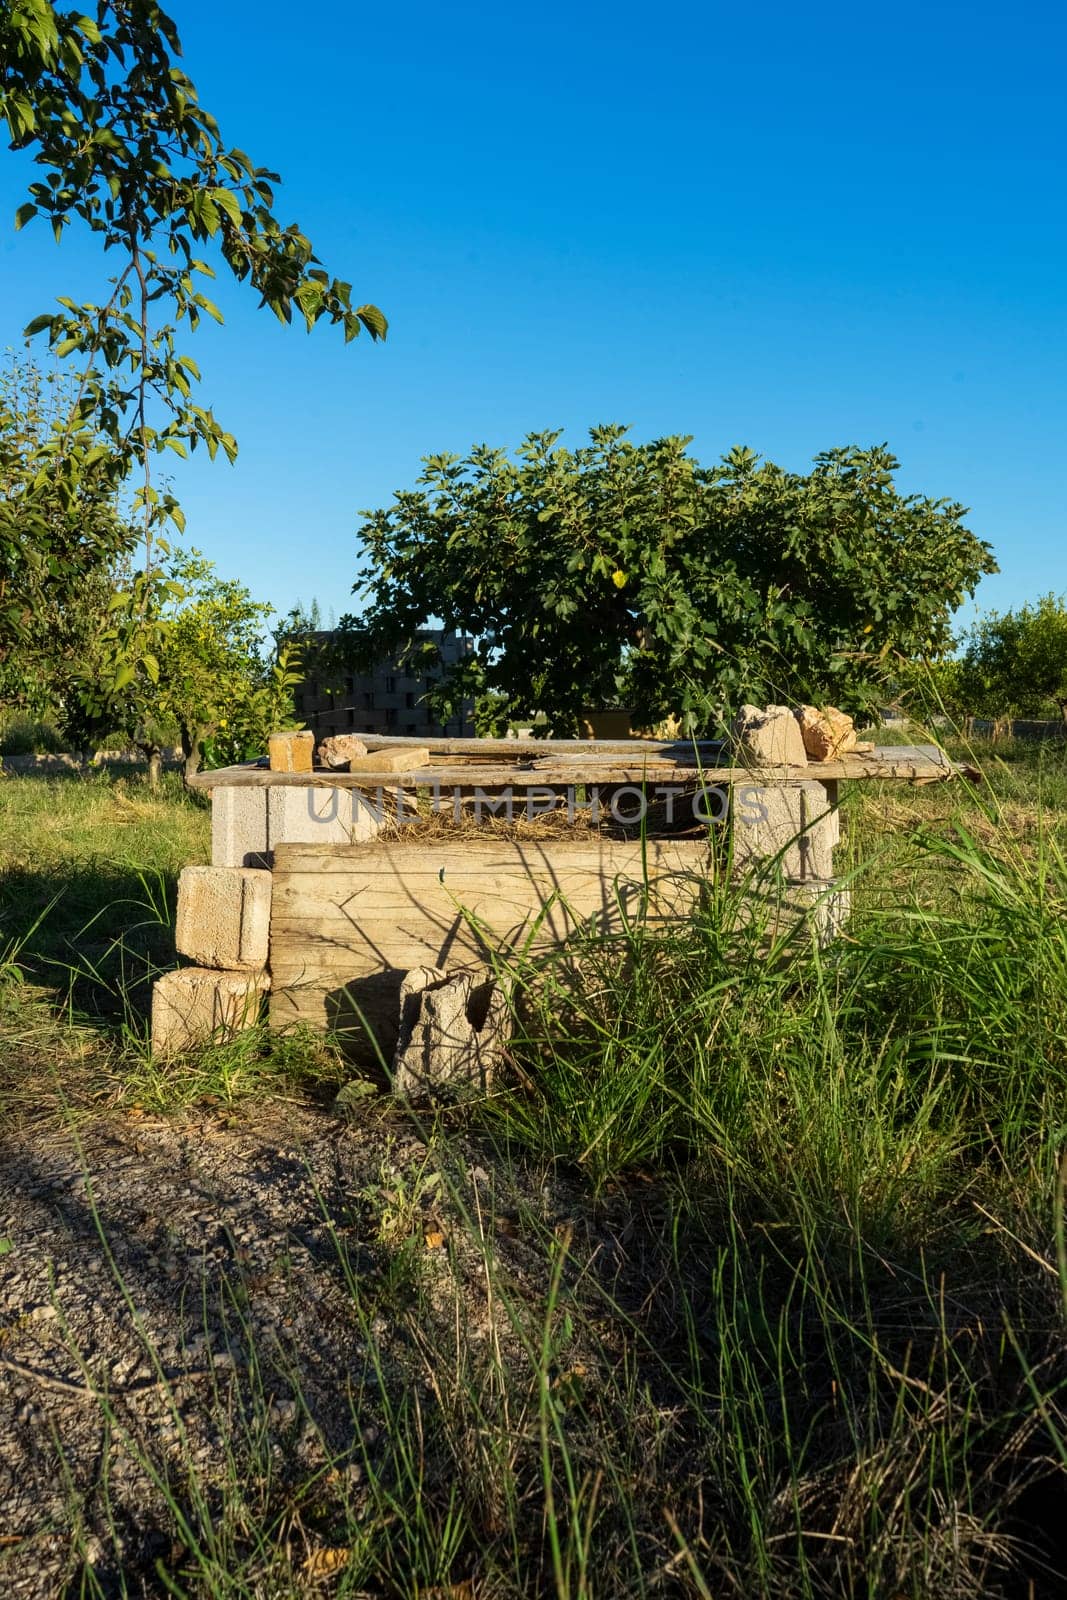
907	763
348	921
411	855
511	749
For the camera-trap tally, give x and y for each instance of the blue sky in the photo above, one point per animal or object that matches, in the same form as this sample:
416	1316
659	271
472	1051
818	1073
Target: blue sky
788	226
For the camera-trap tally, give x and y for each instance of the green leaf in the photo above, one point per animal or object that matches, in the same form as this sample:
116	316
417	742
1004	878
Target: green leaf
228	202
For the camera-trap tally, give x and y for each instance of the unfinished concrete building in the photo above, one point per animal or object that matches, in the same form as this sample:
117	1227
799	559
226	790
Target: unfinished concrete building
391	699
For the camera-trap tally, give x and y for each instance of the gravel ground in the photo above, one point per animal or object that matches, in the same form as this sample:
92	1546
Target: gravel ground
185	1271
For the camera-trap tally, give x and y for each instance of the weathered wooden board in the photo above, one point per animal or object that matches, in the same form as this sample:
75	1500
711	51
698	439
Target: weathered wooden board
348	921
905	763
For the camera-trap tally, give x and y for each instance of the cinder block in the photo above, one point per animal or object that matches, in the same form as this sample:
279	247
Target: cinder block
822	831
291	752
784	908
224	917
791	821
195	1006
454	1029
766	823
238	826
829	905
318	814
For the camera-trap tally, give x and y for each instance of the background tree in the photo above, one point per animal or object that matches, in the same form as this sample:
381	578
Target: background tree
62	534
125	148
1015	662
622	573
184	655
218	679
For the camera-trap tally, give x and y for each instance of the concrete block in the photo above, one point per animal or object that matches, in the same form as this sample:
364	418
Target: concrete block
238	826
794	822
318	814
291	752
768	825
829	906
822	831
454	1029
224	917
194	1006
788	909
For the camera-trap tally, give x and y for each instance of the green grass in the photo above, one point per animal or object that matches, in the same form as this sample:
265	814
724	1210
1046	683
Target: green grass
763	1292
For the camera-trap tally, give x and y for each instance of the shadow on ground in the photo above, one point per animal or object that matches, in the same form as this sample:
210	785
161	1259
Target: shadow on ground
95	935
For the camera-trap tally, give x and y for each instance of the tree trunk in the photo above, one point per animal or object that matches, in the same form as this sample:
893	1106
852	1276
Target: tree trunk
155	764
1063	710
192	750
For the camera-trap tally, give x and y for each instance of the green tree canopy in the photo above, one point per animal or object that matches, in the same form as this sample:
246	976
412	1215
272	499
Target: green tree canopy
1015	662
623	573
123	147
182	654
62	532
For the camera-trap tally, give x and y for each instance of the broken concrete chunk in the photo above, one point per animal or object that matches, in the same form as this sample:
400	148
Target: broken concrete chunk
223	917
194	1006
291	752
827	733
453	1032
769	737
391	759
341	748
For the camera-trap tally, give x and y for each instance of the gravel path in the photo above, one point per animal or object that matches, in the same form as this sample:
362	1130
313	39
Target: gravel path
181	1271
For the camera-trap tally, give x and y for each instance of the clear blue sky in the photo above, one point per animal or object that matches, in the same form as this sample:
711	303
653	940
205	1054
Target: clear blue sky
785	226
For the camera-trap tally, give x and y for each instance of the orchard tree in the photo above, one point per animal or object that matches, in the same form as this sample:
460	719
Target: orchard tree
124	148
218	680
630	574
188	659
61	532
1016	661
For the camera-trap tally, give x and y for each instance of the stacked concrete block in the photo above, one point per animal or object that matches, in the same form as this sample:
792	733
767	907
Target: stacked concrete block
319	814
792	825
239	827
788	832
223	927
224	917
194	1006
822	831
